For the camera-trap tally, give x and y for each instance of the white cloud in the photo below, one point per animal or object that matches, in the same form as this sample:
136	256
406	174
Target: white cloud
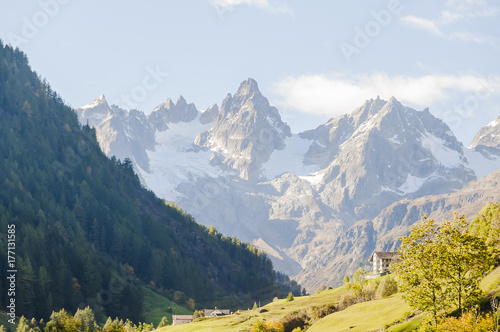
338	94
460	9
273	6
470	37
423	24
455	11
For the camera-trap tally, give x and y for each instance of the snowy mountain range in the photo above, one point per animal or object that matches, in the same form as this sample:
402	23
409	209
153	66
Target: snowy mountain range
316	201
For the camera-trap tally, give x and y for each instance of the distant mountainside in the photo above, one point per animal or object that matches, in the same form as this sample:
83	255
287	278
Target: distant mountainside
298	196
487	140
87	231
355	246
384	151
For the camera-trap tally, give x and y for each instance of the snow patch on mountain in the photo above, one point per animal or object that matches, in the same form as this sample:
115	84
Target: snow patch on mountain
101	100
493	123
289	160
447	157
176	161
413	184
313	178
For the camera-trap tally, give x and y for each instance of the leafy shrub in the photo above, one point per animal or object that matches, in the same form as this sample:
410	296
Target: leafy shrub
346	301
469	321
322	288
198	314
295	320
320	312
272	325
163	322
387	287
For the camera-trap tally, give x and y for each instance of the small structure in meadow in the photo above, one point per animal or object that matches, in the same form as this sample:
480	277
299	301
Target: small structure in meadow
216	312
181	319
381	261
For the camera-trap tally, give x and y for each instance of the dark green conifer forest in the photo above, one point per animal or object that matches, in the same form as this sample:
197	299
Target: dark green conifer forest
87	232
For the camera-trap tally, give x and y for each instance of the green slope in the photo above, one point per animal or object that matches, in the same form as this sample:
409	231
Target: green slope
157	306
387	311
244	321
366	316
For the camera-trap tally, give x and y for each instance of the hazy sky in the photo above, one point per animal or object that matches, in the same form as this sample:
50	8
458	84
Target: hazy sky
312	59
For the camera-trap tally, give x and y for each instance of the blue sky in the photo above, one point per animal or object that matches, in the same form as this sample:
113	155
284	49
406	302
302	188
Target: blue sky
313	59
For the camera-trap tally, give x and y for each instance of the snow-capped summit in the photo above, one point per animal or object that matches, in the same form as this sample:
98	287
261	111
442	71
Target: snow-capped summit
487	139
101	100
94	112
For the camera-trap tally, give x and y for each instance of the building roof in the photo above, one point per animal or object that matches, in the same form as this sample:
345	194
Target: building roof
182	317
383	255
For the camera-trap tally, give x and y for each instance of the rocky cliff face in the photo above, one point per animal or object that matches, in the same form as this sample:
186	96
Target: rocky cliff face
245	133
169	112
318	202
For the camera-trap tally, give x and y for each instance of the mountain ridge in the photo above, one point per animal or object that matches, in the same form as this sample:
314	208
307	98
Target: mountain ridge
296	195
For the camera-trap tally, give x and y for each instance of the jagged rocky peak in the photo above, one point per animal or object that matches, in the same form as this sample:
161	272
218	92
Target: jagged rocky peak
247	88
94	112
210	114
487	139
99	101
328	138
249	98
245	132
369	109
169	112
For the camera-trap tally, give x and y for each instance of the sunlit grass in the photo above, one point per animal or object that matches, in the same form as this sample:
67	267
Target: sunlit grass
155	307
245	320
367	316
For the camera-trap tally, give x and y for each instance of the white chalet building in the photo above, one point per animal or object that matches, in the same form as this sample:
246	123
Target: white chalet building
381	261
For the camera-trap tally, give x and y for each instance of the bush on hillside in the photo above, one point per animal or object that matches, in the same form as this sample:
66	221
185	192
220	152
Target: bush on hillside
272	325
470	321
387	287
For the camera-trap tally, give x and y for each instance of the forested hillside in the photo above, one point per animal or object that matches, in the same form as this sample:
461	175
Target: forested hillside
87	232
